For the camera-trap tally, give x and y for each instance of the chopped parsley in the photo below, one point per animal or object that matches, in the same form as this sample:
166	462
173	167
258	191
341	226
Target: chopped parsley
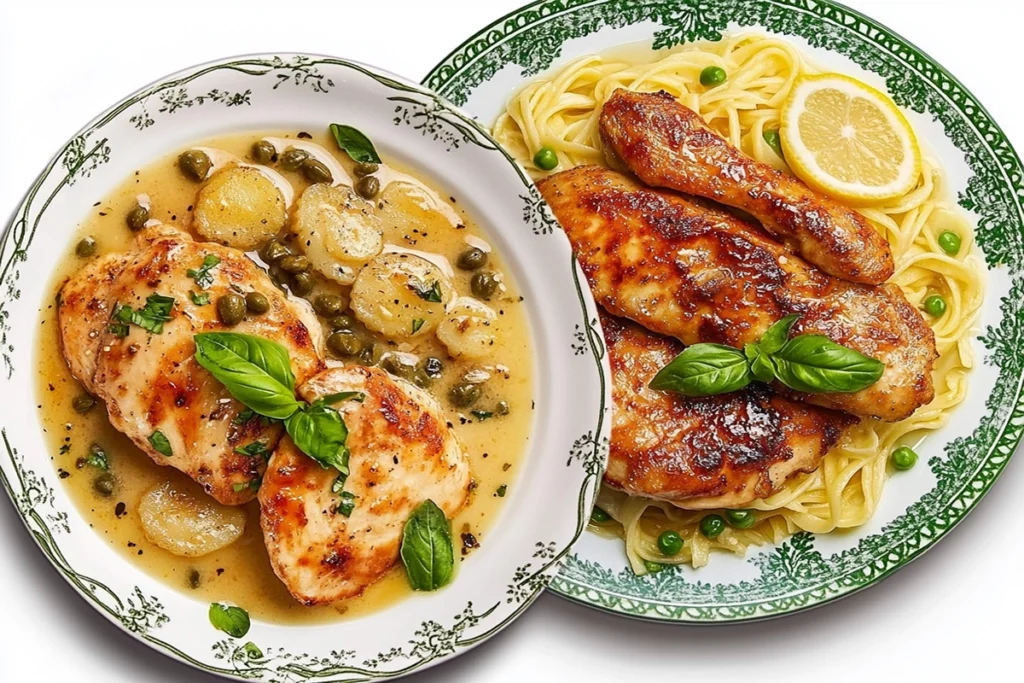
432	293
66	448
257	449
202	274
417	324
500	493
200	298
481	414
150	317
160	443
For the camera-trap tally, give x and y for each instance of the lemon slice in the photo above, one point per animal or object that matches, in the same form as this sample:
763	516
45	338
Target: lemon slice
848	140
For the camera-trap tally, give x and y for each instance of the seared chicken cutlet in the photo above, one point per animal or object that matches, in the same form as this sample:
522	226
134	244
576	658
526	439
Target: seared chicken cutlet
668	145
700	453
154	390
402	452
702	275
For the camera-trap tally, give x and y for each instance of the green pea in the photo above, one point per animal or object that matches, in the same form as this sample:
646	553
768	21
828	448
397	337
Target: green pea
294	263
741	519
302	283
546	159
484	285
935	305
433	367
316	172
368	187
293	159
195	165
328	305
903	458
599	516
83	403
472	259
262	152
231	309
342	322
712	526
273	251
670	543
256	303
950	242
464	394
103	484
365	168
711	76
137	217
86	247
344	343
653	567
501	408
774	140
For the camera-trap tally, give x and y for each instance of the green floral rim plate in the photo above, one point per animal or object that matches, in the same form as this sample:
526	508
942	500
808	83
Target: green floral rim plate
965	458
548	503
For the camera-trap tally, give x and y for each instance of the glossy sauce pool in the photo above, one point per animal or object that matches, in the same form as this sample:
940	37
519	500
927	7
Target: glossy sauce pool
241	573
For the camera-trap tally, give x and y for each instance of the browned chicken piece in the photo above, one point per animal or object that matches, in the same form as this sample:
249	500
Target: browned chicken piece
668	145
701	453
402	452
151	382
702	275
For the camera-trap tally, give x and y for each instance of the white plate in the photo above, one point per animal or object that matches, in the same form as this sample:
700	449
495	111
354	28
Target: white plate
547	509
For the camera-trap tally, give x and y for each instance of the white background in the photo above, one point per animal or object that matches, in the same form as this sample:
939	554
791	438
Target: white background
954	614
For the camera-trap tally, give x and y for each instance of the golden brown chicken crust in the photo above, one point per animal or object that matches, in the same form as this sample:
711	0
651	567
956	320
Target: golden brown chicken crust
702	275
700	453
668	145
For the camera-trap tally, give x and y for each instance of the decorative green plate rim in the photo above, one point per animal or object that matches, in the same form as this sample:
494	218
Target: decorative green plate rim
795	576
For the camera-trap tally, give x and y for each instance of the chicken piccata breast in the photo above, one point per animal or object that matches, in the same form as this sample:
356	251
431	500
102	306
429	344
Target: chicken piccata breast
701	275
402	452
700	453
154	390
668	145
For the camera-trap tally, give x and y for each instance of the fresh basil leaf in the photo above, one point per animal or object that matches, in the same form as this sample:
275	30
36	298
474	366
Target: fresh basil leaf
244	416
160	443
331	399
150	317
200	299
704	370
257	372
202	274
355	144
813	363
347	504
427	551
777	335
97	457
256	449
762	368
319	432
230	619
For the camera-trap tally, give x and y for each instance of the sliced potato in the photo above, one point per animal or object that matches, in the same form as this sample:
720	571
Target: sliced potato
239	207
468	328
401	295
338	230
187	524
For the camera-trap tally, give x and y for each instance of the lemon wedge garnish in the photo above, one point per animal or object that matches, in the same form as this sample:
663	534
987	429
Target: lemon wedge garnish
848	140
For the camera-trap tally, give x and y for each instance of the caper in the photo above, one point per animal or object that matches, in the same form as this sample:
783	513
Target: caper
396	367
103	484
194	164
293	159
368	355
328	305
464	394
316	172
501	408
368	187
484	284
342	322
472	259
83	403
278	276
231	308
137	217
365	168
86	247
194	578
262	152
344	343
433	367
302	283
273	251
421	379
256	303
294	263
